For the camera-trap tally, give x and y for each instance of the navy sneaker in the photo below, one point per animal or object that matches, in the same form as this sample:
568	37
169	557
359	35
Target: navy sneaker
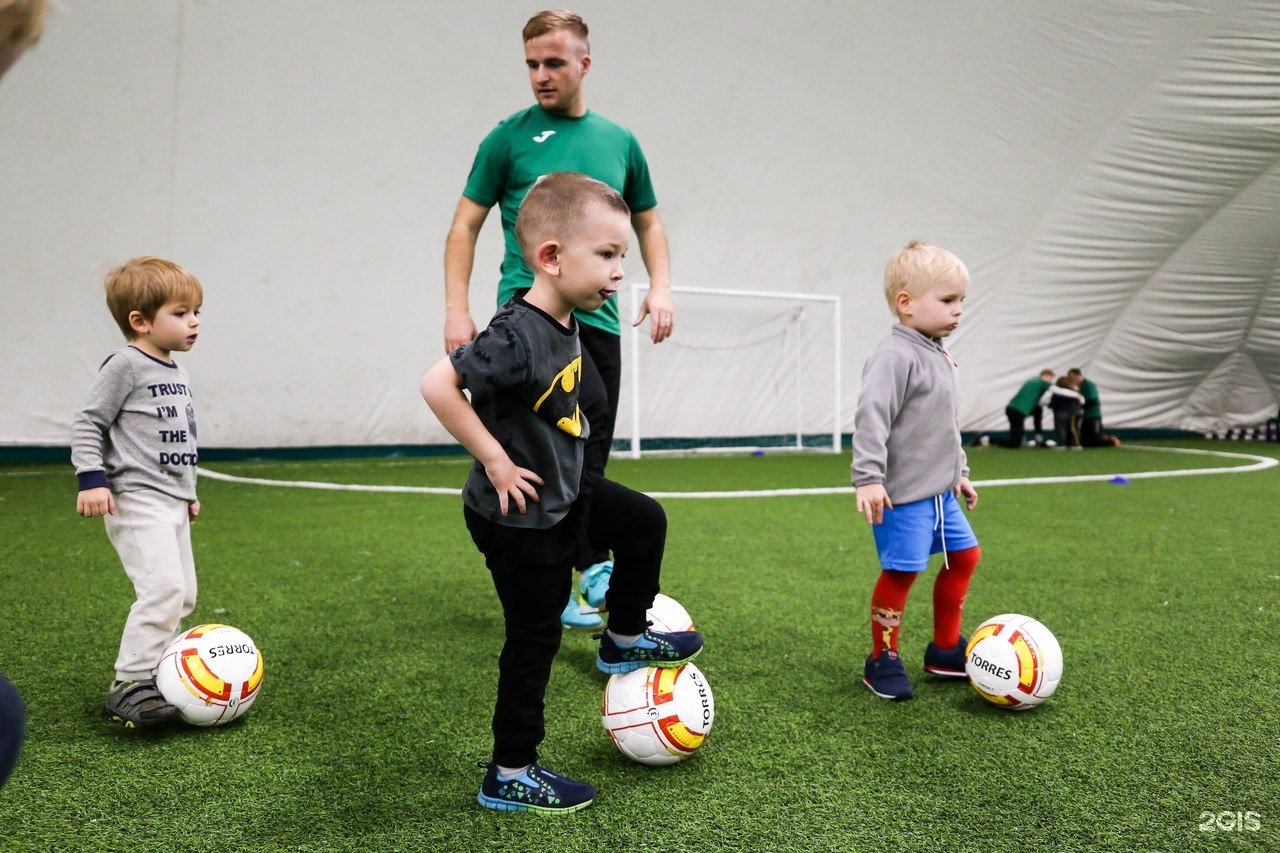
654	648
537	789
886	677
949	663
595	582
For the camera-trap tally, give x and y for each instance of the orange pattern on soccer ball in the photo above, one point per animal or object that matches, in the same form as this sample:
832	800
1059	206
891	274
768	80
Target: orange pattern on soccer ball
664	685
199	676
679	736
982	633
255	680
1028	666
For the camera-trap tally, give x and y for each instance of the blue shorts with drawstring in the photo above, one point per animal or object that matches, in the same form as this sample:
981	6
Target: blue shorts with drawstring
911	532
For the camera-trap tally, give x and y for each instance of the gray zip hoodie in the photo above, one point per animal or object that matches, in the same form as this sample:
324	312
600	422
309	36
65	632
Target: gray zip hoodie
906	431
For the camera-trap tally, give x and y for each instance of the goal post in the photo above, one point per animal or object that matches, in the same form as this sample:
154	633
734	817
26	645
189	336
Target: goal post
797	335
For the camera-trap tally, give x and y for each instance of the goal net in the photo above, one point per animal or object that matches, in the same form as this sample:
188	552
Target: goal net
744	370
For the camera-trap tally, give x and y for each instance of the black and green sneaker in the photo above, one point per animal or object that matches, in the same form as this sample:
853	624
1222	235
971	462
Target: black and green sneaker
137	704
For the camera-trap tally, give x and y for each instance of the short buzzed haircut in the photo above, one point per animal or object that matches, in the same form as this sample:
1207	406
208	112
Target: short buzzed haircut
556	19
146	284
916	266
555	208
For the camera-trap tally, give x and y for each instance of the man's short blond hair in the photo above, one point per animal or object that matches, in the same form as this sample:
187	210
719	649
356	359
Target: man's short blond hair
146	284
555	209
916	266
556	19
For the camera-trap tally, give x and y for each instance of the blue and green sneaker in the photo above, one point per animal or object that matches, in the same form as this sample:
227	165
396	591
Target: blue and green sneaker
654	648
594	582
579	616
537	789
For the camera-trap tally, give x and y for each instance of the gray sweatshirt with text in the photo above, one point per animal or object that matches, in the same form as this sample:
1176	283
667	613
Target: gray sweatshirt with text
137	428
906	429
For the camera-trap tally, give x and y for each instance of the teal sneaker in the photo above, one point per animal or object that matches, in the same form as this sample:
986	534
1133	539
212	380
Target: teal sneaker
578	616
948	663
654	648
595	583
537	789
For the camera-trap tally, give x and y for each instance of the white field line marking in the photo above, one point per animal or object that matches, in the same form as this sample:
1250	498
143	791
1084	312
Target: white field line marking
1258	463
332	487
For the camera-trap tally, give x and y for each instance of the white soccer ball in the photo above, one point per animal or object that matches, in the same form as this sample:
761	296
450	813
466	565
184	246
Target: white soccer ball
658	715
212	674
668	615
1014	661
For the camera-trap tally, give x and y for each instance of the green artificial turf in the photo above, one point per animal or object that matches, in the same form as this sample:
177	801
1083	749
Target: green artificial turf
380	632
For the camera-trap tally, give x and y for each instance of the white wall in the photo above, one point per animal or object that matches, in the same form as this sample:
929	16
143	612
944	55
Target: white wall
1107	169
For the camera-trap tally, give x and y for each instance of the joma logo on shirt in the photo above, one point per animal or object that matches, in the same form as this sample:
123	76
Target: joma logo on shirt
544	136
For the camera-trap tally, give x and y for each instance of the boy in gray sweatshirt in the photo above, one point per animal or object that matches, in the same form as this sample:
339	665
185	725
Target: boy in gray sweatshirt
909	466
133	444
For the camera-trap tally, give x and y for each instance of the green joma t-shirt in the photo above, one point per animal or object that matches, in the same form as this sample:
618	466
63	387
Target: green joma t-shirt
533	143
1092	404
1028	396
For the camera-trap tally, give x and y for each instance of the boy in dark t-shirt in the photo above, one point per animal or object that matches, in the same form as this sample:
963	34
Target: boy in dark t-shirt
528	505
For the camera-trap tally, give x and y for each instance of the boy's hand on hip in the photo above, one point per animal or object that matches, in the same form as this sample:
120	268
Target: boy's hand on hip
873	500
513	484
92	503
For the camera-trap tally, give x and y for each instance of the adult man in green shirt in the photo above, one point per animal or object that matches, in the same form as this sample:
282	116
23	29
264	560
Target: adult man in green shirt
558	134
1026	403
1091	434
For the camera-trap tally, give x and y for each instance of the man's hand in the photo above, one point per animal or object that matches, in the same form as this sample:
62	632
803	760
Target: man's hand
661	312
459	329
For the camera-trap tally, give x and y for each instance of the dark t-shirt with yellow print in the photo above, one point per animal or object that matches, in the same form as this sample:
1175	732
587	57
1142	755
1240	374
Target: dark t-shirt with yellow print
523	372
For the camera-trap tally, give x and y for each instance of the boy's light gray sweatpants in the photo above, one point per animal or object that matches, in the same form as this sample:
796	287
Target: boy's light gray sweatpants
152	534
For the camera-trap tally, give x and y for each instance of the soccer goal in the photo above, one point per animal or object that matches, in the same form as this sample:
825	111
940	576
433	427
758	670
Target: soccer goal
745	370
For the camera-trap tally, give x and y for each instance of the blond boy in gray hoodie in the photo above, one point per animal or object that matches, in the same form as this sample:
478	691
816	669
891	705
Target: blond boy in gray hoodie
909	466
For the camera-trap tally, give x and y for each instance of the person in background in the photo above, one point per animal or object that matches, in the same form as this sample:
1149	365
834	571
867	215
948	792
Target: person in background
1067	403
1027	403
1091	434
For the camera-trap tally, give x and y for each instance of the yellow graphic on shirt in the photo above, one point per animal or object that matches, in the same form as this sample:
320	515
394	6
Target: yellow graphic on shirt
566	380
